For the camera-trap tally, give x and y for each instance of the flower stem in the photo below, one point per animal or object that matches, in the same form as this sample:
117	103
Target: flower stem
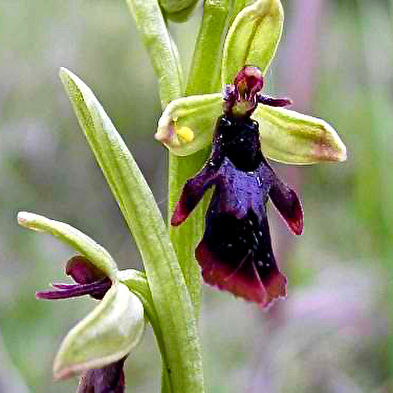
204	77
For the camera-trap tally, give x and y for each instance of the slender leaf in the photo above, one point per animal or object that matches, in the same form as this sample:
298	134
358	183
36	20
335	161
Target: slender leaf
169	292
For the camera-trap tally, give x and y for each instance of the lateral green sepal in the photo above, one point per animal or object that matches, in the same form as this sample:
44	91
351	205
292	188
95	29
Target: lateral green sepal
187	124
110	332
293	138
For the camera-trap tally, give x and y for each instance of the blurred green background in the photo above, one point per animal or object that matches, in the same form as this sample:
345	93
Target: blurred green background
332	333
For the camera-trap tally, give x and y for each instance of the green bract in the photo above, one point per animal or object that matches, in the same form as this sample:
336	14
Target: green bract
110	332
95	253
187	124
181	16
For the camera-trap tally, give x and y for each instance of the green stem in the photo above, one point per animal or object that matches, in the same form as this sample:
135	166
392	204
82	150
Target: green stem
160	47
185	237
137	283
204	77
164	57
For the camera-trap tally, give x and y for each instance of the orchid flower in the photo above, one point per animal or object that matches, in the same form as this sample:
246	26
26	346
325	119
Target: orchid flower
235	253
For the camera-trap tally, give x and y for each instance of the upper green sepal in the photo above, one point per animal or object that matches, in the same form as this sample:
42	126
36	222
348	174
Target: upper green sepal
187	125
110	332
95	253
293	138
252	38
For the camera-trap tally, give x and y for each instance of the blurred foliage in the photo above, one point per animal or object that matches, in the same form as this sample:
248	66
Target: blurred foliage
332	333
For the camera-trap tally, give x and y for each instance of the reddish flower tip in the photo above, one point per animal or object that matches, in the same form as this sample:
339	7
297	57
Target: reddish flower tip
249	81
297	225
288	204
247	280
82	270
179	214
243	97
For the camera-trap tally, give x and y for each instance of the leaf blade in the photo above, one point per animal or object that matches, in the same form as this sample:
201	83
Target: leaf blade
171	298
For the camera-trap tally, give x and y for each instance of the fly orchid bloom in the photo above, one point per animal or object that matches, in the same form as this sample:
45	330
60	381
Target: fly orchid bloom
99	344
235	253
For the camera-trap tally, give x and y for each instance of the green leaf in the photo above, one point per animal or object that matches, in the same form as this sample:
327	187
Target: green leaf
169	292
293	138
187	124
110	332
253	38
160	46
95	253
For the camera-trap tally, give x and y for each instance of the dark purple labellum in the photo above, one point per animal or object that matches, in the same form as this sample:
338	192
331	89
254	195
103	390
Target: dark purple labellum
235	252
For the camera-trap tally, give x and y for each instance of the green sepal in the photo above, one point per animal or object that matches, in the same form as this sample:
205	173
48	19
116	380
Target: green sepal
95	253
198	114
183	15
253	38
293	138
110	332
